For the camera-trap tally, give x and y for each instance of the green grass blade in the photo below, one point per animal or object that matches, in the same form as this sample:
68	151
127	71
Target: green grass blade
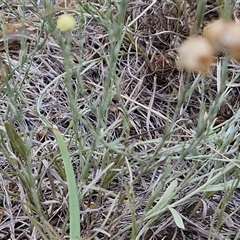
72	187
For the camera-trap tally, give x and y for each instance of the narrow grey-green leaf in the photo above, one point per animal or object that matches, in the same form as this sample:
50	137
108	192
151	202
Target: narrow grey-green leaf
74	210
177	217
162	202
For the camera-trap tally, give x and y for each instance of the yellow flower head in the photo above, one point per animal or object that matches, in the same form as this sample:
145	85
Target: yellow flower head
65	22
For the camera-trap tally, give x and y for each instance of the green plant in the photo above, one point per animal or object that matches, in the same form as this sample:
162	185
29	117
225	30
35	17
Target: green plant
102	136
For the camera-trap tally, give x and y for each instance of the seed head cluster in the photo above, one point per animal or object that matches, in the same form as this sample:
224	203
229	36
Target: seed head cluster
196	53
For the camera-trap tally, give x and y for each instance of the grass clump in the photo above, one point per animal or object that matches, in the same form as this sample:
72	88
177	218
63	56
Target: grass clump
103	136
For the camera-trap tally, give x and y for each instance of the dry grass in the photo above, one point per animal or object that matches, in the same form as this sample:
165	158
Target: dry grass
143	135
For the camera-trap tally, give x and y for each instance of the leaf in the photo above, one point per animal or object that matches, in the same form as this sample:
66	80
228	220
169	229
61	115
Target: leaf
17	144
221	186
167	196
74	210
177	217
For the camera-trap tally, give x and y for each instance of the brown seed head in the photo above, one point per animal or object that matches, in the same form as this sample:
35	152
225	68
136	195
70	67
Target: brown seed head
224	35
196	54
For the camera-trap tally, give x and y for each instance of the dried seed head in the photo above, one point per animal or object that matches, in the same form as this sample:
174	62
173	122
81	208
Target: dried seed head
213	32
224	35
196	54
65	22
